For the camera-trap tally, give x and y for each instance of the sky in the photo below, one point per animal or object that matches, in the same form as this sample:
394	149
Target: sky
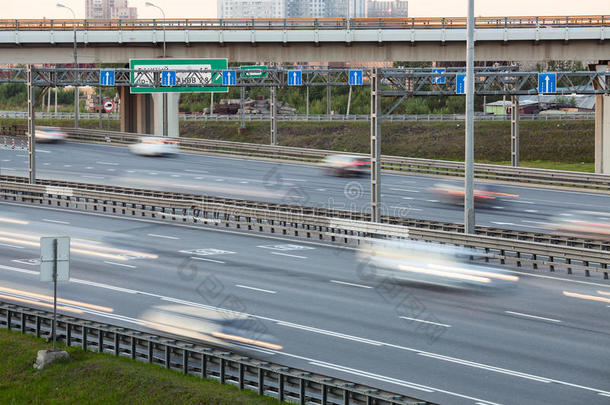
417	8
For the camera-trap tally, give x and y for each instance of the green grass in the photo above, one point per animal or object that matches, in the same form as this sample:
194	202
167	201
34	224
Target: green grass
540	164
94	378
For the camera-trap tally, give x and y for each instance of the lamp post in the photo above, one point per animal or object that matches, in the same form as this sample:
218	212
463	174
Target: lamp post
469	219
76	98
149	4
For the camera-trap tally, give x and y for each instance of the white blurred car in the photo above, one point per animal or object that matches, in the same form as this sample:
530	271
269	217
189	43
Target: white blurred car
50	134
347	165
431	263
587	224
155	146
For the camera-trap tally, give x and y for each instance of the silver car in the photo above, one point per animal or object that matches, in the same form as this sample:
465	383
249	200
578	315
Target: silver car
346	165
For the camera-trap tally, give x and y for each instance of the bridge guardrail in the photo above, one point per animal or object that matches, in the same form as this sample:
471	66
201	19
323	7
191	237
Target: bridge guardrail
297	222
394	163
317	117
189	357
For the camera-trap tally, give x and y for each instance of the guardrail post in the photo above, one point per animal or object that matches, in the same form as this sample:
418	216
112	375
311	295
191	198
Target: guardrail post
280	387
605	267
569	261
116	343
8	319
273	110
261	381
222	371
23	323
168	351
551	266
37	325
68	334
324	399
241	375
133	347
514	132
302	383
346	394
83	342
100	340
204	365
185	361
375	144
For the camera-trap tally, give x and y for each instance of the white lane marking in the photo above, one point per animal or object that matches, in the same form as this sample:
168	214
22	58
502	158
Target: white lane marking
131	171
433	201
111	170
11	246
207	260
405	190
397	207
295	180
532	211
255	289
153	173
486	367
196	171
107	163
503	223
534	222
524	202
421	320
243	182
286	254
408	198
67	165
371	375
497	207
320	189
321	331
198	178
154	235
175	175
220	179
604	394
89	167
46	164
532	316
122	265
42	151
92	177
56	221
350	284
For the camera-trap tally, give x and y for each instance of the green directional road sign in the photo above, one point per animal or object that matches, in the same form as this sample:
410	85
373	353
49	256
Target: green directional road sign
253	72
181	77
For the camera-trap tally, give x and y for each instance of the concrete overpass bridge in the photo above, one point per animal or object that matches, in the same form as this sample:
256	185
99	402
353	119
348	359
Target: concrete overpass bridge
306	40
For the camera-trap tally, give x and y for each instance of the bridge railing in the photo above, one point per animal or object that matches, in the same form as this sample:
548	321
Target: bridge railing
303	23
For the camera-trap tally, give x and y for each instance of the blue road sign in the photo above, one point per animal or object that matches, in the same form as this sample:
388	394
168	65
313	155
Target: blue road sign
355	77
295	77
460	83
168	78
229	77
547	82
441	78
107	77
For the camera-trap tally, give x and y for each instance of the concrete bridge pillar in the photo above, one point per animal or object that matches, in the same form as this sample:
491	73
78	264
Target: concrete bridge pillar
173	99
136	112
602	125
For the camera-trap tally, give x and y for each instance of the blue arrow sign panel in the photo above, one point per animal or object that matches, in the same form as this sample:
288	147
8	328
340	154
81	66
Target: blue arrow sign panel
107	77
460	84
229	77
439	79
547	82
168	78
295	77
355	77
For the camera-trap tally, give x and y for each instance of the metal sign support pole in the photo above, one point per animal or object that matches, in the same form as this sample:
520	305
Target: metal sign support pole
31	126
307	102
242	108
349	101
272	101
514	132
54	294
100	105
375	145
469	220
328	100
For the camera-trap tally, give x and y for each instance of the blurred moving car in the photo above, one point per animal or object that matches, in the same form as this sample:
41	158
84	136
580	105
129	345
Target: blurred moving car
225	329
431	263
484	194
155	146
582	224
346	165
50	134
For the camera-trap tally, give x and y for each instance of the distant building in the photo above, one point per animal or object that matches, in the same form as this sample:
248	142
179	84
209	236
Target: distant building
306	8
251	8
104	9
339	8
387	8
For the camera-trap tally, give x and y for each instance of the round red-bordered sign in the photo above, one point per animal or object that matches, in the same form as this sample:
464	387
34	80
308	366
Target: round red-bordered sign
108	106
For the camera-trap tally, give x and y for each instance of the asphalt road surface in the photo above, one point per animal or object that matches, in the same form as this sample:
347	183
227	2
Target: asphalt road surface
544	341
402	195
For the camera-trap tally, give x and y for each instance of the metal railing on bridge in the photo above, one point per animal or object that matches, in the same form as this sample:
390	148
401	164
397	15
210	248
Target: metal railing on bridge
303	23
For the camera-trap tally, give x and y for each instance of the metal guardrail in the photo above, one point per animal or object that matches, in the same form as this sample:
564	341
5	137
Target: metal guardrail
189	357
394	163
294	221
303	23
317	117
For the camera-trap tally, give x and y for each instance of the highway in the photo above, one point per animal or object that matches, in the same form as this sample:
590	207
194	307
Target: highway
402	195
543	341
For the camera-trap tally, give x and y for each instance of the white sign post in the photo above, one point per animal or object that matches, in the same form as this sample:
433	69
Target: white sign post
54	266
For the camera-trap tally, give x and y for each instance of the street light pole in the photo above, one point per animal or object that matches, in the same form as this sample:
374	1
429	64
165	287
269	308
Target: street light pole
469	220
165	123
76	97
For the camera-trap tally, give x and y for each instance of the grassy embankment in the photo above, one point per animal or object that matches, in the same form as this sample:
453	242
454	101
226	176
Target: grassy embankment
561	145
94	378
